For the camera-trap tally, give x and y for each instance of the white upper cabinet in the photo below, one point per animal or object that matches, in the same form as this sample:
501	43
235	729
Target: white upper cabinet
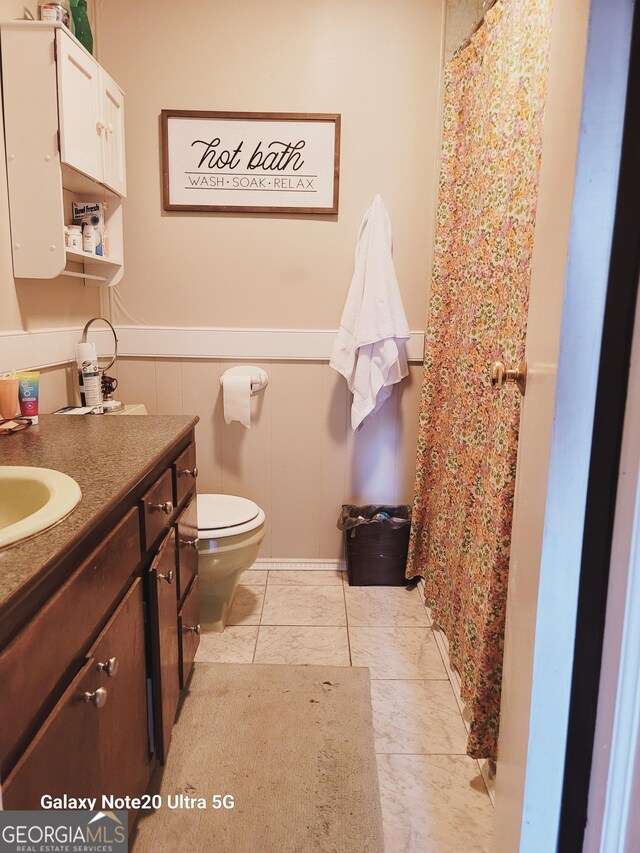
91	112
53	89
113	135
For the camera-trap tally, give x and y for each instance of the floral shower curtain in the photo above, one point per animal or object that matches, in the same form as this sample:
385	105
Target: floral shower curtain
461	529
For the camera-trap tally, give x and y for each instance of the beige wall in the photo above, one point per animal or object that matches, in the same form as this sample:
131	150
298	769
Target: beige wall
377	63
24	303
299	461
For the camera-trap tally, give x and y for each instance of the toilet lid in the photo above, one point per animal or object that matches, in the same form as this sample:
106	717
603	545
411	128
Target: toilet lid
220	511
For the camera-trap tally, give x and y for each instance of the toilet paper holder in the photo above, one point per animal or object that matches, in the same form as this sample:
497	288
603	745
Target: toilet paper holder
259	377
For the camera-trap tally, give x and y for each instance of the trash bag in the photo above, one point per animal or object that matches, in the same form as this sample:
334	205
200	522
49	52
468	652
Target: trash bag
376	543
389	516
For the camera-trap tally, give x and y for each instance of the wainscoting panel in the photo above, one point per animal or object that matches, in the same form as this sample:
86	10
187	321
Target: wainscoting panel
299	460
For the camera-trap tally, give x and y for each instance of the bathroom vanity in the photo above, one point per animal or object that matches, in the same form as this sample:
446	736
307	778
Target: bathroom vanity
99	614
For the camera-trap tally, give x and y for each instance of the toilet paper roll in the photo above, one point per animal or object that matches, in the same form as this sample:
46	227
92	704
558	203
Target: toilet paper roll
236	396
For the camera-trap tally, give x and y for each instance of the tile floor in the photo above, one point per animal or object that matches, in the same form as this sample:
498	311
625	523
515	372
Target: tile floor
433	795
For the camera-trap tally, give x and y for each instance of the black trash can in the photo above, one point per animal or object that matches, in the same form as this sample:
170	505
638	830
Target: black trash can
376	543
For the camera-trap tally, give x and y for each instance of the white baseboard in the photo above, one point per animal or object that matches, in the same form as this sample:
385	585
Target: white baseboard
298	565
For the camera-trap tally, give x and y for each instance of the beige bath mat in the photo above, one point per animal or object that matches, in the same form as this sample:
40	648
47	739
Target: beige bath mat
293	746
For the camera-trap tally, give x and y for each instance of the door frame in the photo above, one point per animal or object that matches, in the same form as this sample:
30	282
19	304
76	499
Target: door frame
600	511
554	464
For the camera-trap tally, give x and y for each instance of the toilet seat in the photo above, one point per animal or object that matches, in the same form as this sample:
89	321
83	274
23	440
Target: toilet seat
227	515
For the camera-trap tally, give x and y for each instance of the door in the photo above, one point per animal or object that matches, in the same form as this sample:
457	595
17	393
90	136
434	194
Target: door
112	119
78	106
568	288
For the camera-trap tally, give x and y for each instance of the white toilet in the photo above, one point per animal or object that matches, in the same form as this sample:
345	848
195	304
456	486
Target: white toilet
230	532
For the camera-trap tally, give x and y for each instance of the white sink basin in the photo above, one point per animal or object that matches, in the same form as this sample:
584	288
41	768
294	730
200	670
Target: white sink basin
33	499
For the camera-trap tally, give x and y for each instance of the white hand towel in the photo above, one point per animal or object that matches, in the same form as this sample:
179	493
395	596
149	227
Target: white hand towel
369	350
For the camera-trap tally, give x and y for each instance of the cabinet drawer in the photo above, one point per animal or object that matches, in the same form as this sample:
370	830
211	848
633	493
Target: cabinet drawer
184	473
189	631
62	758
156	508
164	643
187	547
55	640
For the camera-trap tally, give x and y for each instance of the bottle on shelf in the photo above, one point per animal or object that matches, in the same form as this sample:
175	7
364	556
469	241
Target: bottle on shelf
82	26
58	10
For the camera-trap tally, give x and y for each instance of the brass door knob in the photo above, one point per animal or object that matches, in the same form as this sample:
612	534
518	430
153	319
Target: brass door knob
501	374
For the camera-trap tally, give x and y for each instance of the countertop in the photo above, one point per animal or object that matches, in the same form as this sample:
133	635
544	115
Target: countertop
105	455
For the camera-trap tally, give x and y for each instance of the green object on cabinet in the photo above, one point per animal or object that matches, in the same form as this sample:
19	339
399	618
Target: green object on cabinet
81	21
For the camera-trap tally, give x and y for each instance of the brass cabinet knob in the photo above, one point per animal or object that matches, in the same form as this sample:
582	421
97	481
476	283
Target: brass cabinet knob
98	698
190	543
192	472
166	507
191	629
168	577
109	666
500	374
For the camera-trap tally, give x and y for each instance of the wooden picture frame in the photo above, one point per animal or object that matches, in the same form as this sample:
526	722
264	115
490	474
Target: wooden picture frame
238	162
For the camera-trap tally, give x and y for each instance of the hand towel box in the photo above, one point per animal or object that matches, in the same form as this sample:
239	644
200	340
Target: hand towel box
89	214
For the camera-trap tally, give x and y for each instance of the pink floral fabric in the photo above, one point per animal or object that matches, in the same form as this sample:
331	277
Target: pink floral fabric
495	92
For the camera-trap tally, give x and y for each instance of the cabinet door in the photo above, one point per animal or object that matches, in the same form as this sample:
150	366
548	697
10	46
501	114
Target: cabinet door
189	632
164	642
119	668
78	108
187	545
64	756
112	107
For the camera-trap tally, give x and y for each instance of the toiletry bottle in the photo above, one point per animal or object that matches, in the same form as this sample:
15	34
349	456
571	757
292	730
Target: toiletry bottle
81	20
88	238
89	376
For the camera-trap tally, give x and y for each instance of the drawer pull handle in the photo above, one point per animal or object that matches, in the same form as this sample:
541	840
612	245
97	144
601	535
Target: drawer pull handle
98	698
190	543
192	629
191	472
168	577
109	666
166	507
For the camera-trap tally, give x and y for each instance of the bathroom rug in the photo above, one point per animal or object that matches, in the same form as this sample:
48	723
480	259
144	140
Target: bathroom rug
289	747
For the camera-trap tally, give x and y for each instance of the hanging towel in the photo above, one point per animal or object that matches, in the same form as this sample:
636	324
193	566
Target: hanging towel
369	350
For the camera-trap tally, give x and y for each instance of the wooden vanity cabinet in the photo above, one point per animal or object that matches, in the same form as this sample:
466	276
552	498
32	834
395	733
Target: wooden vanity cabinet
78	715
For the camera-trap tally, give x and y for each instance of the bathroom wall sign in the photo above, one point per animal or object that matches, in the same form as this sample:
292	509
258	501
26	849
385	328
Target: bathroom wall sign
250	162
